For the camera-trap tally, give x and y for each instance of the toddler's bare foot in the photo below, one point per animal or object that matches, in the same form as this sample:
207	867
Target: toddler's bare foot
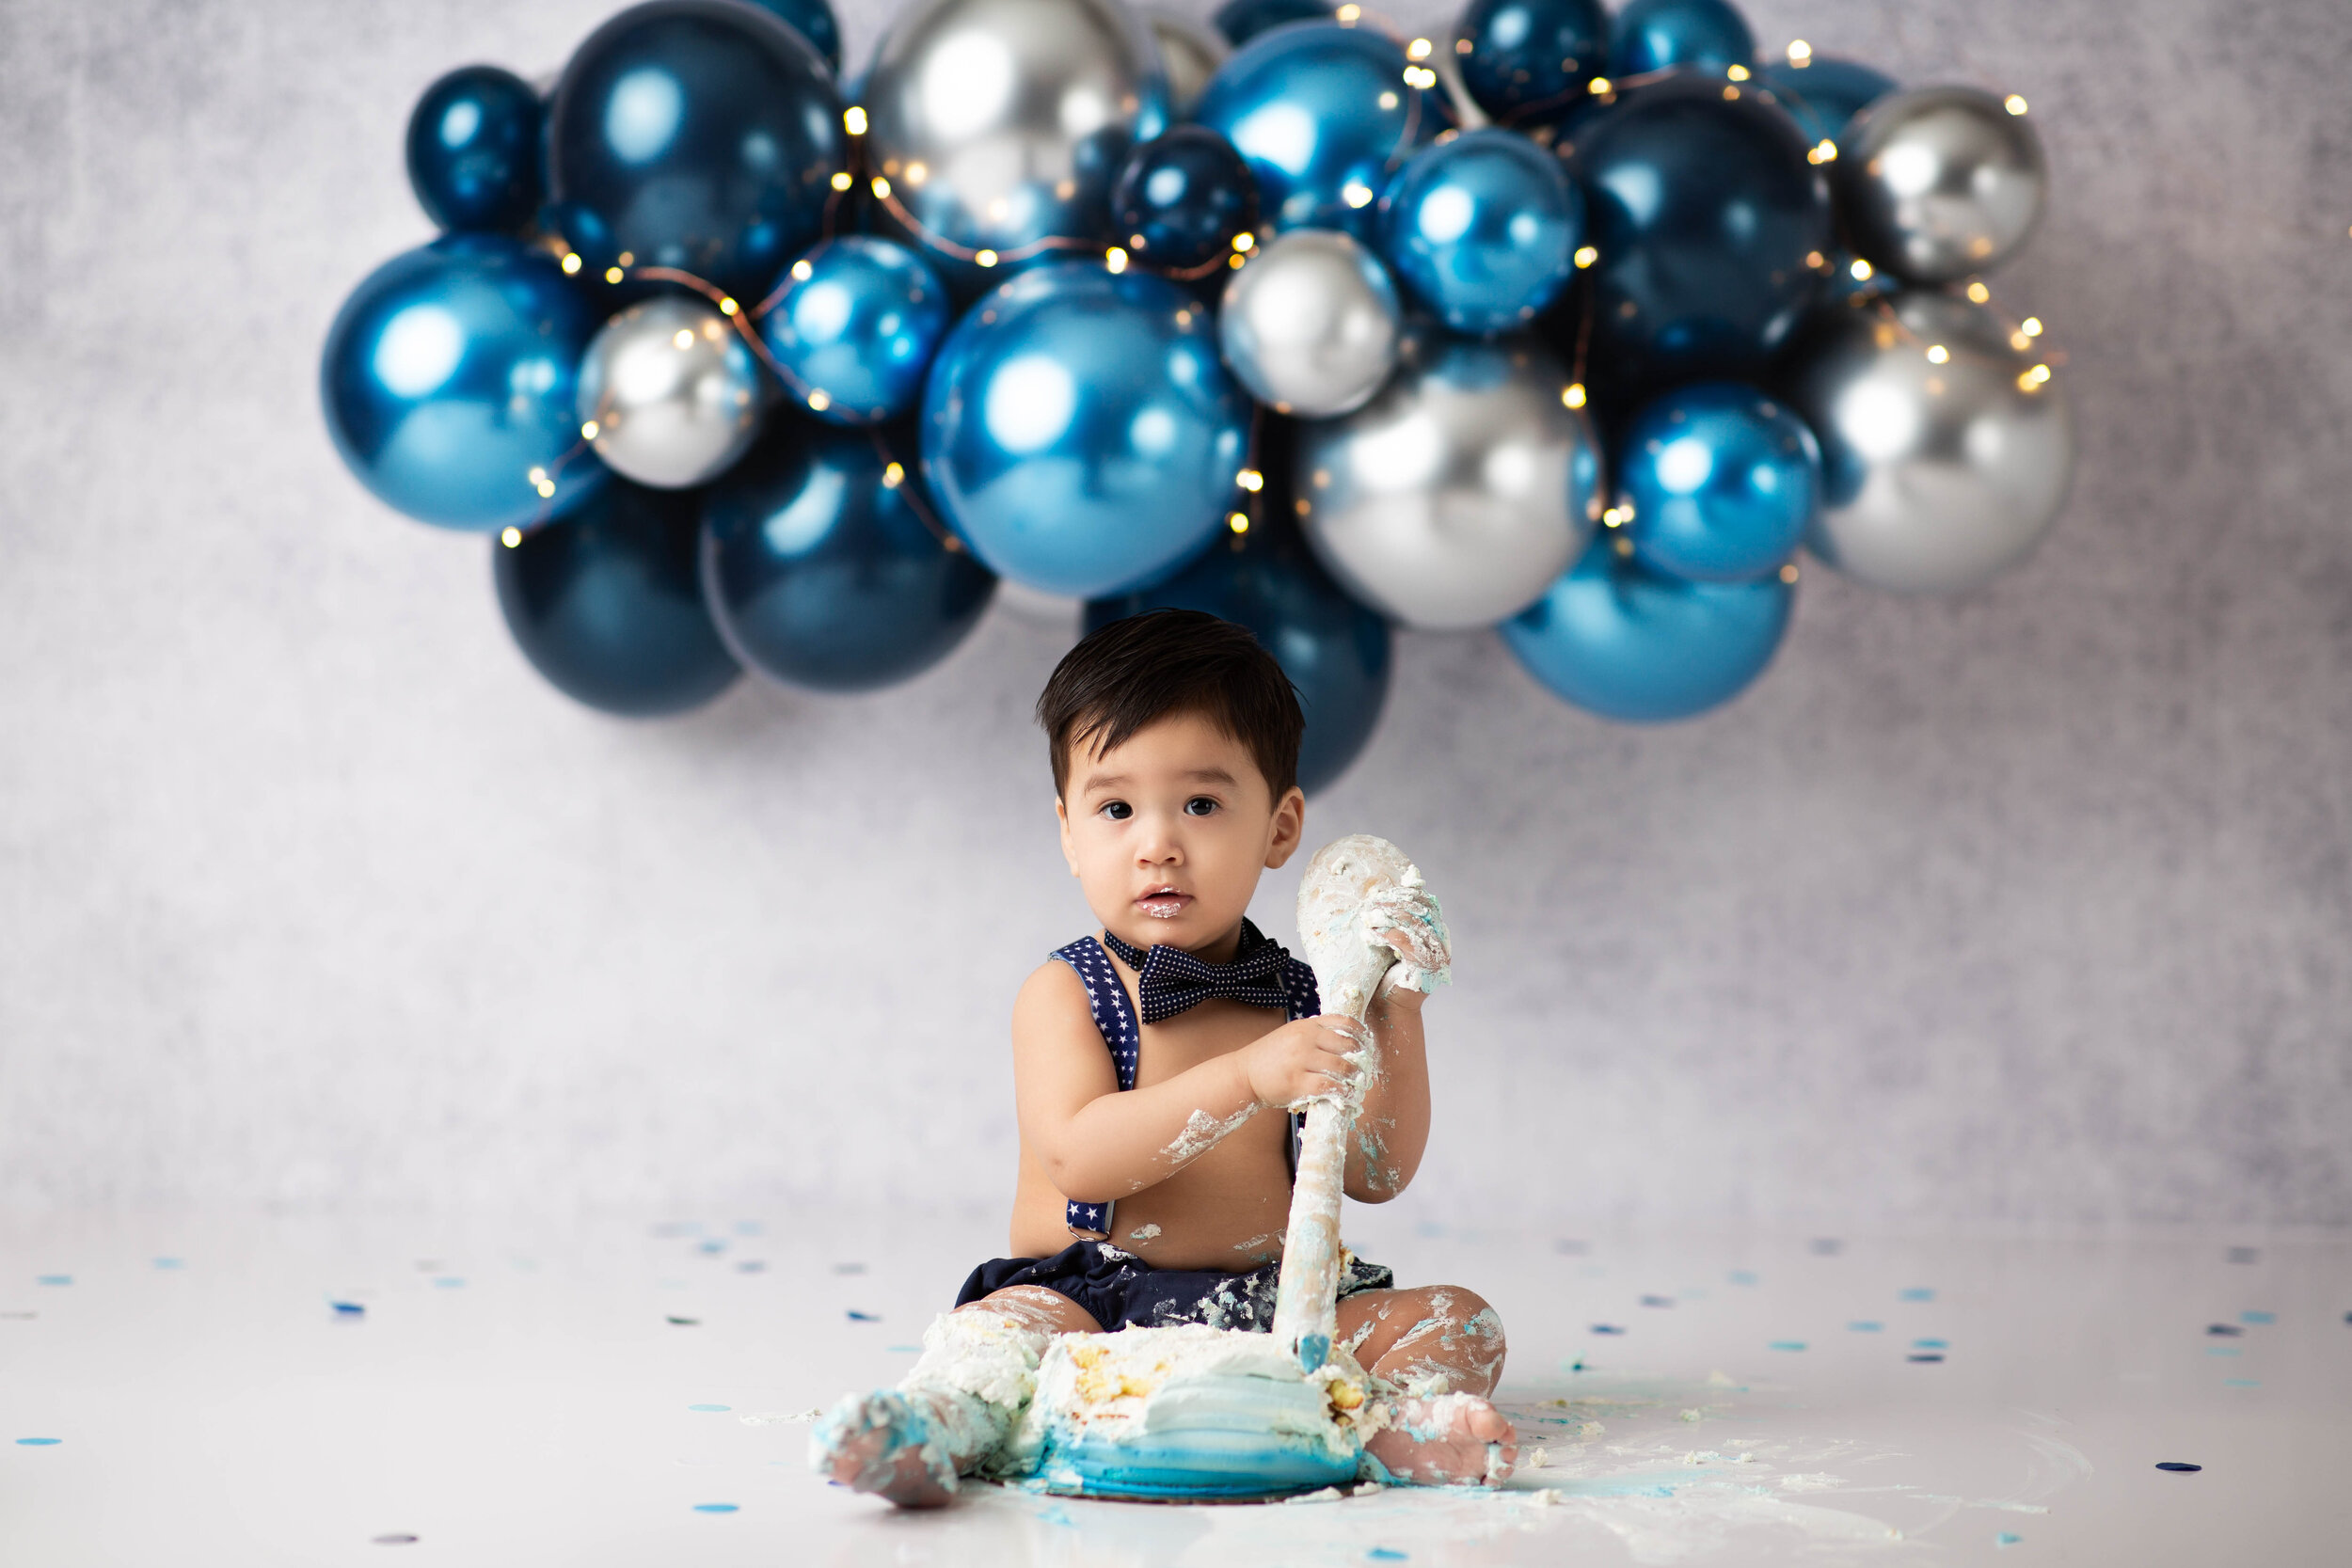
886	1443
1453	1440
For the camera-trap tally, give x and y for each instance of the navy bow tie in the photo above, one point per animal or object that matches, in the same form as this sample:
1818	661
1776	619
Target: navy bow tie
1173	979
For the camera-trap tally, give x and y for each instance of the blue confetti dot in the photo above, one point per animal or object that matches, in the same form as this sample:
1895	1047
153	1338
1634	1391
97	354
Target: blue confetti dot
2176	1464
2257	1317
2227	1331
449	1282
711	1407
1607	1328
858	1316
714	1244
2225	1350
1382	1553
1865	1327
1657	1301
714	1507
750	1265
2005	1539
57	1280
1740	1276
1919	1292
1926	1355
1788	1344
348	1309
39	1442
169	1263
1929	1345
749	1227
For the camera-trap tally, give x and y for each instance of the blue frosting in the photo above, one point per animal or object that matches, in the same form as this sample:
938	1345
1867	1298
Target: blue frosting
1194	1462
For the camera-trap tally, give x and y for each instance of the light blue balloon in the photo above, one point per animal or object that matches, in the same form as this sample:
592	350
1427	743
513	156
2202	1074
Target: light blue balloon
1825	92
448	381
1634	644
854	325
1484	229
1324	117
1722	482
1079	431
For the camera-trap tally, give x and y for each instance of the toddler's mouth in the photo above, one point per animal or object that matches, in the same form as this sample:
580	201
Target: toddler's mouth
1164	903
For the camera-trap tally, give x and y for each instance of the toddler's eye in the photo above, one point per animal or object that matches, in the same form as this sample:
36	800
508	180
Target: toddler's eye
1199	805
1117	811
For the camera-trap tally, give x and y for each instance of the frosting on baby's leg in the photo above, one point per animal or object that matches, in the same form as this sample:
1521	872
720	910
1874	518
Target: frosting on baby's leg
948	1416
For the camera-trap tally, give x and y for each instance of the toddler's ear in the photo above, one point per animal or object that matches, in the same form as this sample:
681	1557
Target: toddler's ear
1069	850
1290	827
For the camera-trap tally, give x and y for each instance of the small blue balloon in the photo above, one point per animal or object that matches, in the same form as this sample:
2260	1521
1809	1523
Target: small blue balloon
1181	198
1825	92
1710	222
1653	34
1242	20
473	150
448	381
607	606
853	326
1483	229
1722	481
1530	60
1630	643
1335	652
699	134
1080	432
813	20
820	573
1324	116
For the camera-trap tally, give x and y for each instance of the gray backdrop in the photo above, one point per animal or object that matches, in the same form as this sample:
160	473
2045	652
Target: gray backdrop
2026	906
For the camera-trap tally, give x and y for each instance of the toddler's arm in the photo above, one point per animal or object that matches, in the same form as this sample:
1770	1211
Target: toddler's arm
1392	1129
1097	1144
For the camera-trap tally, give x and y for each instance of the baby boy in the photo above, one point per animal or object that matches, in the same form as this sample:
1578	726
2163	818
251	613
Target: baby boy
1152	1063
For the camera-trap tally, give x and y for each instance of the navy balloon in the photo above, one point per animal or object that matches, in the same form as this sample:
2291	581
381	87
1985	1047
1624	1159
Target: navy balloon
1242	20
1710	226
1080	430
700	134
853	326
1653	34
1324	116
1631	643
1181	198
474	149
1530	60
1484	229
820	572
605	604
1335	652
1722	481
1823	92
448	381
813	20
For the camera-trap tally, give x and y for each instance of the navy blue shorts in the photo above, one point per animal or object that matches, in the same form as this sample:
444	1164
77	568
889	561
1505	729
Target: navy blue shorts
1121	1290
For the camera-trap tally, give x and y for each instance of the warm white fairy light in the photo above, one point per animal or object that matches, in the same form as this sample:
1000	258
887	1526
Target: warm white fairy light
1347	16
1115	258
537	476
881	188
2030	326
684	338
1587	256
2013	103
1861	269
1420	76
1789	572
853	119
892	476
588	431
1243	241
802	271
1599	86
1737	71
612	274
1978	294
1238	522
985	257
1938	354
510	537
1800	53
1417	50
1355	193
571	261
1824	151
1572	395
819	400
1250	480
841	180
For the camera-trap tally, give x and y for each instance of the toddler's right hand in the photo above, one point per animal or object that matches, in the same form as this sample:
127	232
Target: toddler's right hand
1305	1059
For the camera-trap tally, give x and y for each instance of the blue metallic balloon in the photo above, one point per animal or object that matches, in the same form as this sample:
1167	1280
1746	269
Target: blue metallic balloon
1182	199
1653	34
700	135
1336	652
1710	222
1530	60
605	604
1483	229
1722	480
1242	20
813	20
1324	114
1634	644
473	150
1080	432
855	325
822	573
448	381
1824	92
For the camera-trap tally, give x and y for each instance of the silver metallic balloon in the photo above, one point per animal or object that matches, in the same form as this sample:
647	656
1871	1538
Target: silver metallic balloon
1309	326
1939	183
1946	448
1190	52
1455	497
672	392
999	124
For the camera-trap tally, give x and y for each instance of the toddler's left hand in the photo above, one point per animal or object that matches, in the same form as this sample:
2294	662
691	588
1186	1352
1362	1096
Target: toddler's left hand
1407	921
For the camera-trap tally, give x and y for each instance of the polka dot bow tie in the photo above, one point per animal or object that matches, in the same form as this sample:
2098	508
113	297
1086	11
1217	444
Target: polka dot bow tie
1173	980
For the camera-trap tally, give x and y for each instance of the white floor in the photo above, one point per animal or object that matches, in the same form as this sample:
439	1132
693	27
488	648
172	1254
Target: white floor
187	1393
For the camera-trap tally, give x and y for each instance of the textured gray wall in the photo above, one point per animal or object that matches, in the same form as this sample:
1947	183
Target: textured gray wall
2031	906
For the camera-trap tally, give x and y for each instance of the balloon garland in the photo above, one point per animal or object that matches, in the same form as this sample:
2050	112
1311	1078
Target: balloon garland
1572	326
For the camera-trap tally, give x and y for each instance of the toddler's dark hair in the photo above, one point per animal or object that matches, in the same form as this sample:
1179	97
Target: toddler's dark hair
1137	672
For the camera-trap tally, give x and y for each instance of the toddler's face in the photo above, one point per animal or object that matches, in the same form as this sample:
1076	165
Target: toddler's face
1168	833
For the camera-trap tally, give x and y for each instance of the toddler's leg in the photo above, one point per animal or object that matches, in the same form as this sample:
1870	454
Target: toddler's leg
957	1406
1443	1348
